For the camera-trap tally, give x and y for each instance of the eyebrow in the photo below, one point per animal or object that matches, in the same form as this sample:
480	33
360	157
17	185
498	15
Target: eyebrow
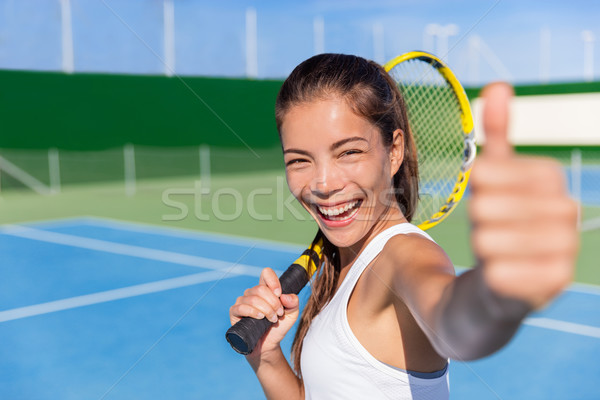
334	146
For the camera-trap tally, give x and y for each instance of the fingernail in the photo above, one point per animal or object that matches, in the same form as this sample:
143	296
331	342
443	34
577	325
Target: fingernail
277	292
280	311
274	318
260	316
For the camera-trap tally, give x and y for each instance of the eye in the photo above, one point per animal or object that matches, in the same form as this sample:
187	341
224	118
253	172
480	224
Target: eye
351	152
295	162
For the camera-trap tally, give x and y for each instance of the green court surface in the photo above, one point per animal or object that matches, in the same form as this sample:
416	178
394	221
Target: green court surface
256	205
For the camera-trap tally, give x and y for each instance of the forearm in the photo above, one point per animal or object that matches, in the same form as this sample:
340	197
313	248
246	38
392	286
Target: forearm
276	377
472	321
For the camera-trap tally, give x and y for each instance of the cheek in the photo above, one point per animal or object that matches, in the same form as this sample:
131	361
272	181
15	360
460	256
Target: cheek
374	174
376	179
296	183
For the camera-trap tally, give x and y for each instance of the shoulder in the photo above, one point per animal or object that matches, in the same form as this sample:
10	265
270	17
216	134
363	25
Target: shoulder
408	259
412	247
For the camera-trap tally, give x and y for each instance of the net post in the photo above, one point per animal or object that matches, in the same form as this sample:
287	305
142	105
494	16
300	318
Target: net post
319	35
169	36
378	43
54	170
129	164
205	169
68	64
251	44
576	181
545	59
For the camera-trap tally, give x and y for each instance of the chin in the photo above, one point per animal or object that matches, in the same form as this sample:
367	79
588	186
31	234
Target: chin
345	237
339	241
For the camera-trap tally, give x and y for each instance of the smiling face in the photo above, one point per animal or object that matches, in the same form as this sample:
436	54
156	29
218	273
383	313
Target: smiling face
340	171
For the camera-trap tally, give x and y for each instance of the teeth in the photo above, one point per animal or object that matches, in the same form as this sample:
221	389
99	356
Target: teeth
337	211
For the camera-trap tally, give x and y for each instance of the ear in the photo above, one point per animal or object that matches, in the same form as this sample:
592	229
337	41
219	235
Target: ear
396	151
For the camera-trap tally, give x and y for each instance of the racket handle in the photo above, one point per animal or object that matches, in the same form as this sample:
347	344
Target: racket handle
245	334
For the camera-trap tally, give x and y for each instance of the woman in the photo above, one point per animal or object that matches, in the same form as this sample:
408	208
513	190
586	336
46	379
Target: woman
386	311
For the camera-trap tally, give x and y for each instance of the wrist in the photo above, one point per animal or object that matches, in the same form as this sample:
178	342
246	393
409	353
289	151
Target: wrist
499	306
262	357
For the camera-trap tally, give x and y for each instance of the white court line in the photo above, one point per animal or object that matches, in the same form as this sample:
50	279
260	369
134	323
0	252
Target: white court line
563	326
172	257
186	233
215	237
115	294
126	249
167	284
202	277
586	288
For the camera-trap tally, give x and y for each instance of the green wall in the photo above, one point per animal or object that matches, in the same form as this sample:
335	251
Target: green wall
40	110
94	111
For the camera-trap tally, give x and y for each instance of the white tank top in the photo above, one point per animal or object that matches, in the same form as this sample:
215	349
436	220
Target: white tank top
334	363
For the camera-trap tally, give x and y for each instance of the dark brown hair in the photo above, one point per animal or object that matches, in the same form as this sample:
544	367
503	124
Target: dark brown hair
372	94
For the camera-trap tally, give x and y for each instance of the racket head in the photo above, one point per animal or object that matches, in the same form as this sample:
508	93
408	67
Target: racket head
441	123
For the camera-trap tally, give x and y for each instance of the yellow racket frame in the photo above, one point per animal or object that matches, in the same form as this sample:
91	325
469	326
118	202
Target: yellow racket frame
469	151
467	125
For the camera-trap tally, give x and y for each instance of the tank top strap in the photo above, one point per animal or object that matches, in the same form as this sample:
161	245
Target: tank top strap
373	249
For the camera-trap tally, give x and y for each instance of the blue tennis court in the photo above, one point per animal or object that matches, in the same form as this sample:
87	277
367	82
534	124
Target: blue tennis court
101	309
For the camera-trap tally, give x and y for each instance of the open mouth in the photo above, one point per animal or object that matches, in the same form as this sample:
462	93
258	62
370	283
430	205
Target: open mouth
340	212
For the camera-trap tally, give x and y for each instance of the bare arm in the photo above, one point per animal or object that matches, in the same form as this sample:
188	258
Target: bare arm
276	376
471	321
472	315
267	360
461	316
523	235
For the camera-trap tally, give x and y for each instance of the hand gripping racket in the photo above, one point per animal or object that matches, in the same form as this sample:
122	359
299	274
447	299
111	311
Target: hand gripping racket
441	123
244	335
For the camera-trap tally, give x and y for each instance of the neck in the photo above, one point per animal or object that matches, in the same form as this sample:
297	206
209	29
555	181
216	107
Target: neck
390	217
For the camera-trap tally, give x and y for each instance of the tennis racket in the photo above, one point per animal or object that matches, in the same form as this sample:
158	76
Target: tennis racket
441	123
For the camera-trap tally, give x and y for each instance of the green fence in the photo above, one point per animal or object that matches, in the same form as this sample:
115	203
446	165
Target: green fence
60	129
96	112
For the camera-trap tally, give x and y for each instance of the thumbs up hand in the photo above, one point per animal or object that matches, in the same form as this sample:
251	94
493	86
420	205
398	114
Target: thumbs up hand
524	225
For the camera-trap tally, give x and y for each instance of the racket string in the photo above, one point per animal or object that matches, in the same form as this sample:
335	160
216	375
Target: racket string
435	122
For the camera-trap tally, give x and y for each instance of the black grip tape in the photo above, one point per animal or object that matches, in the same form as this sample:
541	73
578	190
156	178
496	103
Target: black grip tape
244	335
293	279
314	257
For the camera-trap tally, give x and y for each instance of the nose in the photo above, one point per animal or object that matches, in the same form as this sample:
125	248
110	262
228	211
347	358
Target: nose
327	181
